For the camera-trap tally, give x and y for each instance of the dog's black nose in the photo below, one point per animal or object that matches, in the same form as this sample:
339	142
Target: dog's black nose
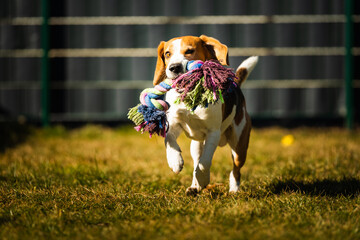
176	68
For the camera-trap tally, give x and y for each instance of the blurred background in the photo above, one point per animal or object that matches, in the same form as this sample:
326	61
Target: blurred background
81	61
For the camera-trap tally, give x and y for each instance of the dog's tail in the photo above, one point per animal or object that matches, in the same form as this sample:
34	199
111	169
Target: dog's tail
245	68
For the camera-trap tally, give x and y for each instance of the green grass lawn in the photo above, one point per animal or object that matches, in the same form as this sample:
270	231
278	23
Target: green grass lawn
101	183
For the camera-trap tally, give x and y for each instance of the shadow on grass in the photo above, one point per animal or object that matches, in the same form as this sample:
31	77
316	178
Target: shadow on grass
12	134
348	187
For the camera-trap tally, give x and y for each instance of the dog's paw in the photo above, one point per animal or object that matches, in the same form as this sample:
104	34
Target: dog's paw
176	162
234	185
176	167
191	191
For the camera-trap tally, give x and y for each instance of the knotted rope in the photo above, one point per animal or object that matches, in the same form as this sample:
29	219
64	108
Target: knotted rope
150	115
204	83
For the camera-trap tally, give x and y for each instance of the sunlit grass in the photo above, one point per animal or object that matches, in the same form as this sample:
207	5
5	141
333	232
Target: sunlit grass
96	182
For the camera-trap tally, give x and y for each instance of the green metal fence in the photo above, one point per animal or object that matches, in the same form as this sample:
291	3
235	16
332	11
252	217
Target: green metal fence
102	53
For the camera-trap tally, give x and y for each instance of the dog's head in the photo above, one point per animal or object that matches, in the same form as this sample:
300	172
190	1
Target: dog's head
174	54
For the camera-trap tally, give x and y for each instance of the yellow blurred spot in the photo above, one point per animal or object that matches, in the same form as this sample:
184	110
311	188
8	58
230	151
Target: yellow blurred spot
287	140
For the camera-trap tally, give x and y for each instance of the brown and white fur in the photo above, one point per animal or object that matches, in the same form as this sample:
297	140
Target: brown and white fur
217	125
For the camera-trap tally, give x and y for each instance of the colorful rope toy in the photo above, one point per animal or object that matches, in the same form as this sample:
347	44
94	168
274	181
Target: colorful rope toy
204	83
150	115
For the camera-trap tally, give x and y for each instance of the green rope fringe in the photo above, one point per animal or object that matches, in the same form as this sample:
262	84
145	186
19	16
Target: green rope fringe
135	116
199	96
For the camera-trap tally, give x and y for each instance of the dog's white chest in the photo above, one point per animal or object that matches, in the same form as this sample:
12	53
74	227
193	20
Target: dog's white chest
196	124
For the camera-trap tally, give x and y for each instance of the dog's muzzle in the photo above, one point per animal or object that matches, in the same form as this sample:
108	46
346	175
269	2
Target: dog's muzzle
176	69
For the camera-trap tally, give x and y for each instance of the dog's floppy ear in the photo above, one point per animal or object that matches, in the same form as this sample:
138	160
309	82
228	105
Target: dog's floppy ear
214	46
159	74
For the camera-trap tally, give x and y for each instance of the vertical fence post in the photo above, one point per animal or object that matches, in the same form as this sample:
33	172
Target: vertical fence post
349	65
45	71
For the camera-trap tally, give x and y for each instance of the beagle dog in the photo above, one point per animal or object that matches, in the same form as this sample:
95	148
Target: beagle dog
217	125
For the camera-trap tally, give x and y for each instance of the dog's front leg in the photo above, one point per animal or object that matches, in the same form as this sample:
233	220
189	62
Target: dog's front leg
204	154
173	151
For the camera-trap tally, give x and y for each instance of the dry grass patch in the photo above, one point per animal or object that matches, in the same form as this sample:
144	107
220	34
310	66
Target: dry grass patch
96	182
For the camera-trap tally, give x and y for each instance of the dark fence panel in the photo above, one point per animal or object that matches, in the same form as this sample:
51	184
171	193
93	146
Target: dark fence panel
299	75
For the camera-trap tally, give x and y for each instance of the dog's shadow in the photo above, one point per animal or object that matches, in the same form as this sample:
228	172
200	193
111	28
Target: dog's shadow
348	187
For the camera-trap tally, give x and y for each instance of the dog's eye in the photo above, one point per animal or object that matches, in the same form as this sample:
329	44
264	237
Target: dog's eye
189	51
167	54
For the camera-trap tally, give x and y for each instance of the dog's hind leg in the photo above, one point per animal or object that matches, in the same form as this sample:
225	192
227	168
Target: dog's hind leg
239	152
234	179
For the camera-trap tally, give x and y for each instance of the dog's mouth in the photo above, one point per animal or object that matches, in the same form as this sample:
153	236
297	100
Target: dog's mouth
173	75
